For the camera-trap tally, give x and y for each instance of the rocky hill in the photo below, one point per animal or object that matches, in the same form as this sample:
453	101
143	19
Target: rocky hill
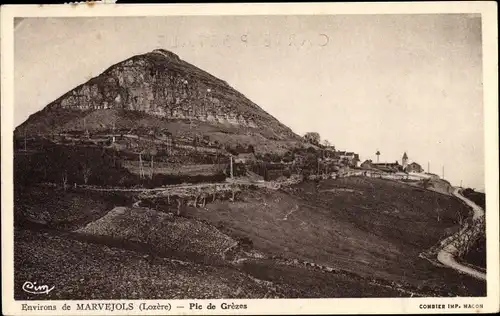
158	91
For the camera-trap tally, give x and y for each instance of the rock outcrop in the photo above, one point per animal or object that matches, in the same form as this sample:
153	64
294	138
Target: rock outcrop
162	85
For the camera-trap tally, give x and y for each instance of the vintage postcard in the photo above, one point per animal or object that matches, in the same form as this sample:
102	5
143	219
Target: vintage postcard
250	159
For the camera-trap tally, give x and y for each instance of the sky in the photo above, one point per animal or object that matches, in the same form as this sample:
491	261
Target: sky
392	83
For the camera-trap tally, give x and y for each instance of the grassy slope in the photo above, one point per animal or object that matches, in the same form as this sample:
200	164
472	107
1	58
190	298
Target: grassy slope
372	229
377	230
64	210
81	270
57	120
95	263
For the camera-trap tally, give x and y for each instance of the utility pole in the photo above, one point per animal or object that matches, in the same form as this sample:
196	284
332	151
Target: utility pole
428	167
152	166
443	173
85	127
231	165
461	183
205	103
141	171
204	109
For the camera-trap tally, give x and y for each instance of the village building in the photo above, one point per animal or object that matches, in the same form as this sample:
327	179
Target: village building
349	158
340	153
414	167
411	167
354	162
404	160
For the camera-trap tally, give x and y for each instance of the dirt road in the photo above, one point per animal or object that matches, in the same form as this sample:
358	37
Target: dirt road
447	255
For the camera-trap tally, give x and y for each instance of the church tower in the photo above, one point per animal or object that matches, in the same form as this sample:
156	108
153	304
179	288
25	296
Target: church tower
404	161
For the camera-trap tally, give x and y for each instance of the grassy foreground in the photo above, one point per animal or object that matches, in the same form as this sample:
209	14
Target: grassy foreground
353	237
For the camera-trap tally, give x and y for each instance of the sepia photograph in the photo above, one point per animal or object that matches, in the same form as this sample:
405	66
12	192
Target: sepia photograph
266	156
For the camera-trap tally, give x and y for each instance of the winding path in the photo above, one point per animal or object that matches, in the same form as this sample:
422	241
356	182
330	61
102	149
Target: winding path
447	255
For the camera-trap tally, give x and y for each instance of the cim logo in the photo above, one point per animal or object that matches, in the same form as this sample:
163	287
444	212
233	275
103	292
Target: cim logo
33	288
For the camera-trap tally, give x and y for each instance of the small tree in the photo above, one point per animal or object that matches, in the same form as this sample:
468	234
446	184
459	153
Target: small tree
86	171
65	180
313	138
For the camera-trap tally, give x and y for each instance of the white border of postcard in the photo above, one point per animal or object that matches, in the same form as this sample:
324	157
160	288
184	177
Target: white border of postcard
263	306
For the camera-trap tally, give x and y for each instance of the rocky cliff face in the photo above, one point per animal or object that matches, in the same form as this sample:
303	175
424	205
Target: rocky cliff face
162	85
